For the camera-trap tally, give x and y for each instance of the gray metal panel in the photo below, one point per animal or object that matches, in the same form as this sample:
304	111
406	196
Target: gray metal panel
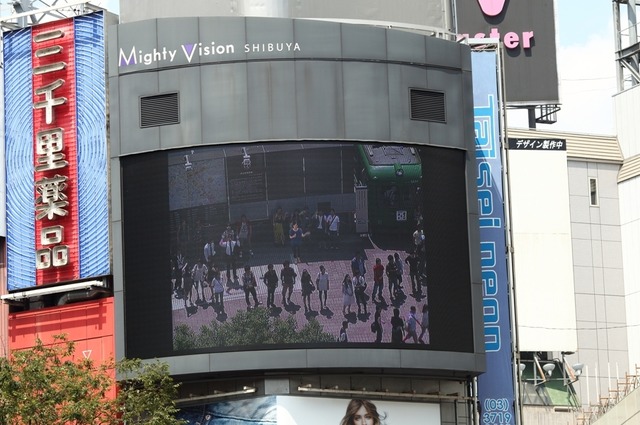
113	91
477	294
406	46
116	244
224	103
197	363
138	37
363	42
324	358
401	79
468	130
133	138
187	83
366	101
187	31
277	386
116	237
112	51
223	32
119	329
272	100
354	358
325	37
117	256
465	57
467	108
274	30
438	360
265	360
440	53
116	189
319	100
450	133
116	233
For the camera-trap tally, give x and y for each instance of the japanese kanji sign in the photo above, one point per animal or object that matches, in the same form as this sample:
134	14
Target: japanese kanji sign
538	144
55	164
57	183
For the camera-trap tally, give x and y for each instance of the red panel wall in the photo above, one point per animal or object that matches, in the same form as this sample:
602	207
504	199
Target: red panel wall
90	324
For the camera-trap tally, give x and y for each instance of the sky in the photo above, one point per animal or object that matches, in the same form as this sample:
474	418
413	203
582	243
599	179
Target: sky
586	69
112	6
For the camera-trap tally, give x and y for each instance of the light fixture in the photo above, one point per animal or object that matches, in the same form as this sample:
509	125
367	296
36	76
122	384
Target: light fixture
412	395
570	374
548	368
577	369
30	293
183	402
521	368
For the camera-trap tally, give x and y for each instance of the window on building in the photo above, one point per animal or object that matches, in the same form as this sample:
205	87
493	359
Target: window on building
593	192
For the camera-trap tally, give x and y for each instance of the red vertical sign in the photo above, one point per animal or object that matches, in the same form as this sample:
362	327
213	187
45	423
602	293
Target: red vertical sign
55	163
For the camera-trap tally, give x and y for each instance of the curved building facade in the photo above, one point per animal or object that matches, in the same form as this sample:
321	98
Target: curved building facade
244	148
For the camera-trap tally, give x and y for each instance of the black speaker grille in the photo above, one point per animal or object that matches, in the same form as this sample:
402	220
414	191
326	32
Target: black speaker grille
162	109
427	106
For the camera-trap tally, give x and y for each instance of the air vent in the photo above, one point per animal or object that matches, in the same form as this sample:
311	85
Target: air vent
427	106
163	109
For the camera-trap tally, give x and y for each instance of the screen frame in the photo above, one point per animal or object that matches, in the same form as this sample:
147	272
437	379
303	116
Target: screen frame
400	358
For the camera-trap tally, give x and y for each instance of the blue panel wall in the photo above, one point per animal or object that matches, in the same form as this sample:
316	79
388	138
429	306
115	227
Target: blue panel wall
19	160
93	205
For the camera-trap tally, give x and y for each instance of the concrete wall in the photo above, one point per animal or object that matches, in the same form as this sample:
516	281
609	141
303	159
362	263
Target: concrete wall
542	250
544	415
599	283
626	412
432	13
627	105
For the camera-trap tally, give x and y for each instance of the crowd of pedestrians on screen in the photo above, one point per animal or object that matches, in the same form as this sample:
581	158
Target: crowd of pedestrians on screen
202	283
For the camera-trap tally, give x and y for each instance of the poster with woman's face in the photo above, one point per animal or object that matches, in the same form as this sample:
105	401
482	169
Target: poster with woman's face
290	410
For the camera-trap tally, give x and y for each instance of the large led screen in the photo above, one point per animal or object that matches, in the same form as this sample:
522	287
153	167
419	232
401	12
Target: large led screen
283	245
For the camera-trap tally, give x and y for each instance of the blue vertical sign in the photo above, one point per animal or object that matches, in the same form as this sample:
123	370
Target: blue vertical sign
495	387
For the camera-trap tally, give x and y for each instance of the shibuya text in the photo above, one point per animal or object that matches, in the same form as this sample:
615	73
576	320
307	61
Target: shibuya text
190	51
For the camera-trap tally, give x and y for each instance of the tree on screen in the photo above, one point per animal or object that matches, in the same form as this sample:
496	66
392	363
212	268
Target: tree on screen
250	328
52	385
